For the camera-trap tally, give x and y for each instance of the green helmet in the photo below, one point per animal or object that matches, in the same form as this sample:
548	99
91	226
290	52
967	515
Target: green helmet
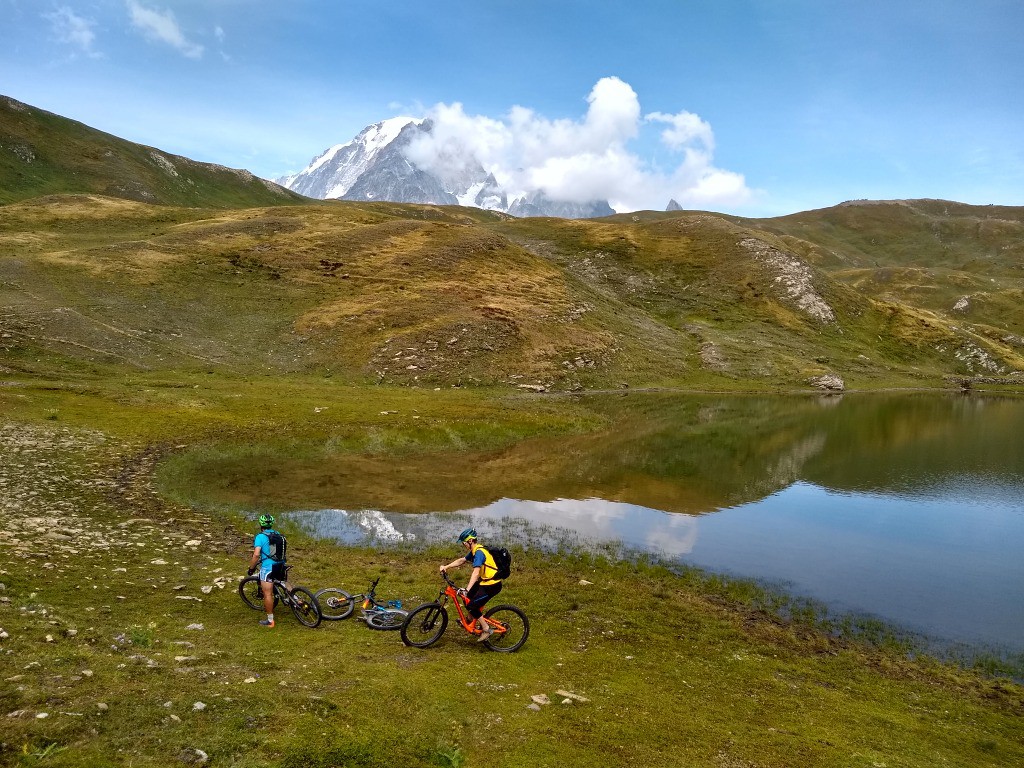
468	534
266	521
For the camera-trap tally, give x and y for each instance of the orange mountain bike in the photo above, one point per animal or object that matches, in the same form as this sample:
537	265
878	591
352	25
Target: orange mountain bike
427	623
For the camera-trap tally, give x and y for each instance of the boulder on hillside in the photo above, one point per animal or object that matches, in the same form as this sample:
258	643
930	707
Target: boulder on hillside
829	382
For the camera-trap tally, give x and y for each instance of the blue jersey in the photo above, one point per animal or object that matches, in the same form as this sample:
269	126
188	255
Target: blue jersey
262	542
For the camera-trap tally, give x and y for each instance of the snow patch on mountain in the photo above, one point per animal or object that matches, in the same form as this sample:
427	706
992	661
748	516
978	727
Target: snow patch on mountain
376	165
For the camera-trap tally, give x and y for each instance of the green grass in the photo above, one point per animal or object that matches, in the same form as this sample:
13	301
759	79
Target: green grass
678	668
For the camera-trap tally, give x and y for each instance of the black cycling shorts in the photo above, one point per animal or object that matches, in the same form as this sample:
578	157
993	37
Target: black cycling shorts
480	594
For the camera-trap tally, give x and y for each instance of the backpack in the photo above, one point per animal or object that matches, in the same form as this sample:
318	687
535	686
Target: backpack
278	546
503	561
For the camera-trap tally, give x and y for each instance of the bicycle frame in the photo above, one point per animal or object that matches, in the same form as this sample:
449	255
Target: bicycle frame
368	600
450	592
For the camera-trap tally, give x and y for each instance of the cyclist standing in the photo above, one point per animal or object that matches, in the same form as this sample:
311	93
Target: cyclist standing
482	585
268	553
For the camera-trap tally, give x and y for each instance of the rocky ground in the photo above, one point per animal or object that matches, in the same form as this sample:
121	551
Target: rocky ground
88	550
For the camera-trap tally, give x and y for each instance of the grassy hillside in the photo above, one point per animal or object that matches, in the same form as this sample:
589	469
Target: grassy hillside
43	154
964	261
433	296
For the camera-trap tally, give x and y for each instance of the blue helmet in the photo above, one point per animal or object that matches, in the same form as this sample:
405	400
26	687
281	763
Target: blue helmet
266	521
468	535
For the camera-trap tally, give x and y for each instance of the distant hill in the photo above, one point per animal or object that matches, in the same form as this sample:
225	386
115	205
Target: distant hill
43	154
441	296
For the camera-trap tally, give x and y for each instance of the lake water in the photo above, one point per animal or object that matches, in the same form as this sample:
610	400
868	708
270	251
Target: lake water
907	508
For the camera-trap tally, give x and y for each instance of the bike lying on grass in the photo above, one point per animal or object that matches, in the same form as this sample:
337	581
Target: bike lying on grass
302	602
425	625
338	604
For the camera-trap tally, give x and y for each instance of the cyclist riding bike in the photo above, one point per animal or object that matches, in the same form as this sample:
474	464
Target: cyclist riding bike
268	556
482	585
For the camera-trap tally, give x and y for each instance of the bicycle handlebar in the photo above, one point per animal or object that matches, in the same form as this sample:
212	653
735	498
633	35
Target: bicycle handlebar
449	582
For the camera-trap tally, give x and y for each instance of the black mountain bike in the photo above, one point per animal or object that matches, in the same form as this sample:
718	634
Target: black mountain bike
302	602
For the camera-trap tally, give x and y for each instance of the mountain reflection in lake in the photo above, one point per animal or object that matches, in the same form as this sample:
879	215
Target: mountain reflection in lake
906	507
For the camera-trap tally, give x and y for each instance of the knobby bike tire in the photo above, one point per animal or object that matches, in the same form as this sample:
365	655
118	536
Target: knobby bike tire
425	625
305	607
389	618
517	629
335	604
249	591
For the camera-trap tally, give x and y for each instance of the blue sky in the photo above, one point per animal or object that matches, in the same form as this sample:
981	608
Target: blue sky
745	106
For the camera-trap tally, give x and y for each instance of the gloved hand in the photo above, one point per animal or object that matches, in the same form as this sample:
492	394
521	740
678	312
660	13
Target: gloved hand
252	570
463	594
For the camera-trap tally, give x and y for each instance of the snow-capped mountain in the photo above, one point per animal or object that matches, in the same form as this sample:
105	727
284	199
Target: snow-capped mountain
375	166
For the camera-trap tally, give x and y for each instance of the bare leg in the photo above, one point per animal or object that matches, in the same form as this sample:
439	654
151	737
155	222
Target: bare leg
268	597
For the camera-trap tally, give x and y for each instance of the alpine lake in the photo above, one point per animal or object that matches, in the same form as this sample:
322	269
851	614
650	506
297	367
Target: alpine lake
901	510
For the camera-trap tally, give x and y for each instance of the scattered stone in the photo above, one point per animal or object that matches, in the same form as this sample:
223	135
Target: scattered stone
535	707
193	757
87	673
567	701
71	632
175	718
193	543
158	561
42	715
16	713
249	680
198	706
197	627
571	696
206	590
168	704
540	698
3	635
179	587
585	583
49	638
102	707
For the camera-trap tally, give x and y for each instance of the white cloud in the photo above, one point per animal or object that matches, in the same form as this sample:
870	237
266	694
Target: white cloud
585	159
70	28
162	26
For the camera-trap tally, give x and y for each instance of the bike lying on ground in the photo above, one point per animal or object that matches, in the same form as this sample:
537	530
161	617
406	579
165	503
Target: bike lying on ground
426	624
302	602
338	604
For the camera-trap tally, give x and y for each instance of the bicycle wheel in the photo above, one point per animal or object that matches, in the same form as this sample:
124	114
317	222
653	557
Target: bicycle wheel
249	591
389	618
334	603
425	625
305	607
515	624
